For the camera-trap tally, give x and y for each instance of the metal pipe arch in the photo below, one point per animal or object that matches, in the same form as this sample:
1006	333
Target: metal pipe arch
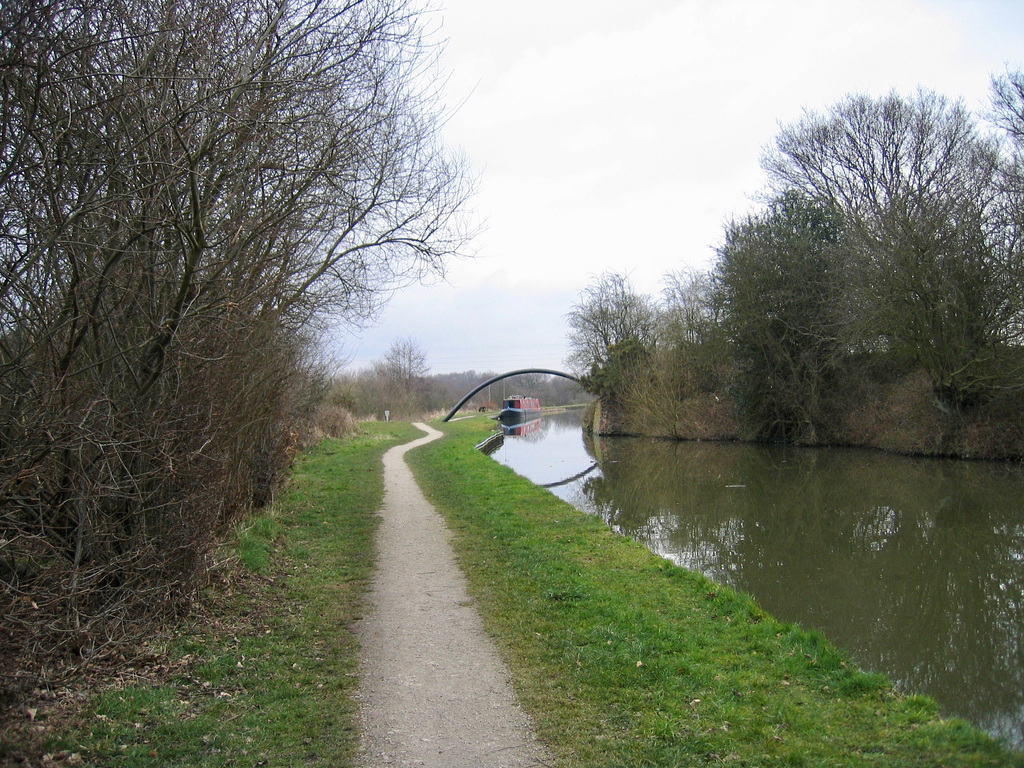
490	381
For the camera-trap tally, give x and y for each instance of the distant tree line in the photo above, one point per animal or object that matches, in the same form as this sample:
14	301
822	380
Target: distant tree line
188	192
876	298
400	383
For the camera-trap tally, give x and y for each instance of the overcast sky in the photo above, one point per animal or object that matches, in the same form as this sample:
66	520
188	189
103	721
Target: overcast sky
611	136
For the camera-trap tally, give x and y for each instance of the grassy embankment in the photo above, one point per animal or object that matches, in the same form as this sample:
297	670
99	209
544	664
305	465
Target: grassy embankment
621	658
626	660
267	677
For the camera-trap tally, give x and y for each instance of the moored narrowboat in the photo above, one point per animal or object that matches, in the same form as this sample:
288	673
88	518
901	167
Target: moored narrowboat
518	407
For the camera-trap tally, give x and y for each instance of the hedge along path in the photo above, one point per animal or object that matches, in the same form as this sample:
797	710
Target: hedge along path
433	690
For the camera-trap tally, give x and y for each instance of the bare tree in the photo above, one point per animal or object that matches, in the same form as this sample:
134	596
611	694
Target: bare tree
608	312
1008	105
1008	114
691	311
399	379
916	185
405	362
187	191
694	355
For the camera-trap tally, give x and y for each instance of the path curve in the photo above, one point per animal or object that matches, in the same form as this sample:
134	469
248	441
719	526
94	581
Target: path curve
433	691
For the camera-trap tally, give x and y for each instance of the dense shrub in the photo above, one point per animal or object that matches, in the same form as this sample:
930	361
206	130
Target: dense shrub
187	191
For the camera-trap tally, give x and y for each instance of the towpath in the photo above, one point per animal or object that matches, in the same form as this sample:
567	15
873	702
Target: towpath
433	691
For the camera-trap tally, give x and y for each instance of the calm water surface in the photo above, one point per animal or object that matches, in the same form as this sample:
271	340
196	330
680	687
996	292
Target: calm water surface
914	566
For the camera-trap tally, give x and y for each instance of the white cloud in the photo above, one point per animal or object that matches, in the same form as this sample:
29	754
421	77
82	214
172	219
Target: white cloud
614	137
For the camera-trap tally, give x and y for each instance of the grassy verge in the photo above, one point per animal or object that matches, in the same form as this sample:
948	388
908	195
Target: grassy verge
266	679
626	660
621	658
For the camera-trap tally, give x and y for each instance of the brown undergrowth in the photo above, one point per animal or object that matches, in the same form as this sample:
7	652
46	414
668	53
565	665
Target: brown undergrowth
261	672
30	723
899	415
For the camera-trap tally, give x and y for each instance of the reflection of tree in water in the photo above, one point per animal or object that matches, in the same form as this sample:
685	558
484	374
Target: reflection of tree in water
915	566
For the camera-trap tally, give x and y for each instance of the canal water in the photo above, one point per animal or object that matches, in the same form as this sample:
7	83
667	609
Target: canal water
913	566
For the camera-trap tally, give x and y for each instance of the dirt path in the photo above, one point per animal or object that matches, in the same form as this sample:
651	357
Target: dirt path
433	691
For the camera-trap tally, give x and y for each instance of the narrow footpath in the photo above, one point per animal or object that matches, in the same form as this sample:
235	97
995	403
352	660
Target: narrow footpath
433	691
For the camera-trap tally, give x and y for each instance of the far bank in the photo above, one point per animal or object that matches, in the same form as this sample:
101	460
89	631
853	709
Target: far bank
898	414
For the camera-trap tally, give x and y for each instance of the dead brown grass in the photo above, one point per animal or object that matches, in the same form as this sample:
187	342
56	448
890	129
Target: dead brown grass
707	417
56	705
896	413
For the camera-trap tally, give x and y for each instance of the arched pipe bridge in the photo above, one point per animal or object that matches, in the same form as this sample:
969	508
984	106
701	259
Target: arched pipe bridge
547	371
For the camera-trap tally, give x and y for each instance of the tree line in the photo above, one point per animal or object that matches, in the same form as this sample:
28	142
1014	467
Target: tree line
189	193
876	298
400	383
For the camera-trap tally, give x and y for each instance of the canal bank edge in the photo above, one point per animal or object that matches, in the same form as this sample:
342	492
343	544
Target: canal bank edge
902	419
680	670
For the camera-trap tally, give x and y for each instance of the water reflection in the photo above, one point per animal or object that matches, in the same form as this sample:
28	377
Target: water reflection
520	428
916	567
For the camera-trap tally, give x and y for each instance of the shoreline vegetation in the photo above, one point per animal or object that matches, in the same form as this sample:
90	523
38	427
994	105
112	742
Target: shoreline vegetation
900	416
875	296
621	658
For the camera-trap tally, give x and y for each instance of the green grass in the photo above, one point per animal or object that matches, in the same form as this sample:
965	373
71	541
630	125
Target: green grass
254	542
267	678
623	659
